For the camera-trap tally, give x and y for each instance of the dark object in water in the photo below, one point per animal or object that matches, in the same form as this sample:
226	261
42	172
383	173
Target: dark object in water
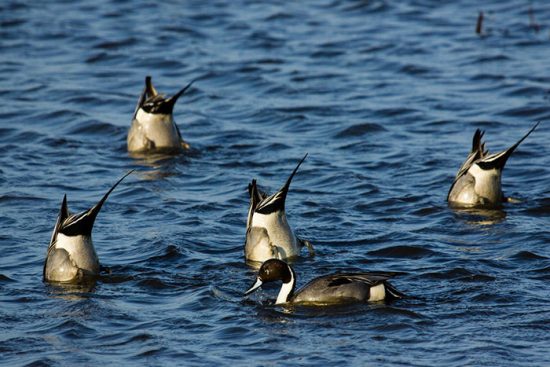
479	25
532	22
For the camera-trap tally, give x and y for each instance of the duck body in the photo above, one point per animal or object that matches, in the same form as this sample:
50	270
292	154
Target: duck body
345	288
72	259
268	233
270	236
153	127
478	182
153	132
71	256
334	289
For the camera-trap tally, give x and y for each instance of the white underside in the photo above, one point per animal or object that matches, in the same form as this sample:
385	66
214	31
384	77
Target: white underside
81	250
148	128
377	293
260	249
487	184
280	236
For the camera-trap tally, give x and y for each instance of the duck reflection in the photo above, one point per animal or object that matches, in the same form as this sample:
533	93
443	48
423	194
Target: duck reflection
480	216
161	165
72	291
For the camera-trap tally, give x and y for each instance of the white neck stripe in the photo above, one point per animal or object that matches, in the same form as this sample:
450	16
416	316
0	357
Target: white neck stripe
286	289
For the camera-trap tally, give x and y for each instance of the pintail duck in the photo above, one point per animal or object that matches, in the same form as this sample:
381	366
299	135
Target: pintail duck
331	289
153	128
478	181
268	234
71	255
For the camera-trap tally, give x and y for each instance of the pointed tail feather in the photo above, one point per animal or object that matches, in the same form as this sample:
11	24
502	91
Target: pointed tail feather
498	160
84	222
96	208
175	97
277	201
289	180
169	103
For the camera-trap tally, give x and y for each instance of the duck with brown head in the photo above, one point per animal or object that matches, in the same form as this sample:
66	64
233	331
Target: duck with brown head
334	289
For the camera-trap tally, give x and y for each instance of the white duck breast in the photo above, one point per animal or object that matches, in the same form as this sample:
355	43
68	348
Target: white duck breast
326	290
478	182
268	233
153	127
71	256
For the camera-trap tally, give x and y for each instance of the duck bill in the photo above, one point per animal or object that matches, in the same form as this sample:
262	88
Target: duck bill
254	287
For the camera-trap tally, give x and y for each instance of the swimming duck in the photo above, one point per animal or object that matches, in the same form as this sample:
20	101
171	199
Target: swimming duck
478	181
71	255
326	290
153	128
268	234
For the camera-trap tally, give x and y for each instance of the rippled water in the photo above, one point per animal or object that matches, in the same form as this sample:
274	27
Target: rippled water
384	96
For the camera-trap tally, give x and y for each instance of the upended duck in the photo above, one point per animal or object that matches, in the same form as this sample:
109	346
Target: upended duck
268	234
71	256
478	181
153	127
334	289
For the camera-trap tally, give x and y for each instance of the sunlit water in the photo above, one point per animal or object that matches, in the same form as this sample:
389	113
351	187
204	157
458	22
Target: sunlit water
385	98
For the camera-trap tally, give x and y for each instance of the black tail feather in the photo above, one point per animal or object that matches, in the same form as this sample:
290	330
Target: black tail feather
83	223
150	90
289	180
498	161
276	201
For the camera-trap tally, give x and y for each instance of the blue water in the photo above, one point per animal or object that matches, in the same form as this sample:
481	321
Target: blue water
384	96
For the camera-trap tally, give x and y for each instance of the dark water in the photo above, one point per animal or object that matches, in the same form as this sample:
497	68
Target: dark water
385	97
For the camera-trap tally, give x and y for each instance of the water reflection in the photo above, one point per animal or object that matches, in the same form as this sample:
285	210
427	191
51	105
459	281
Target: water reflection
480	216
72	291
162	165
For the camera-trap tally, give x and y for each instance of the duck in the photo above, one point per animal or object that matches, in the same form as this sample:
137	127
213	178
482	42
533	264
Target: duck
153	127
71	256
478	181
333	289
268	233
